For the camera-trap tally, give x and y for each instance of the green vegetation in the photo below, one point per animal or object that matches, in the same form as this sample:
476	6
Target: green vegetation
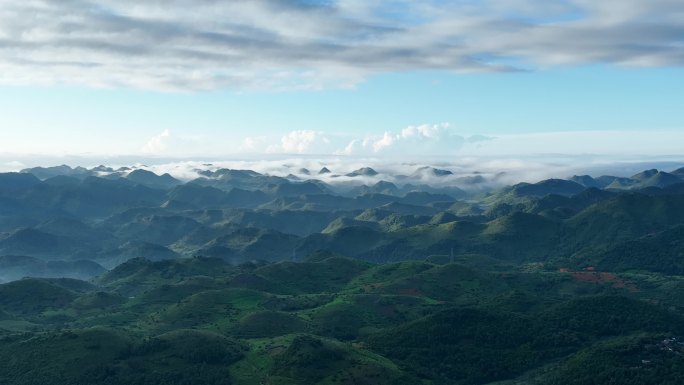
244	278
338	321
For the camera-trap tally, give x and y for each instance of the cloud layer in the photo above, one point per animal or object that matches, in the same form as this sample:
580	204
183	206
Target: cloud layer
298	44
436	141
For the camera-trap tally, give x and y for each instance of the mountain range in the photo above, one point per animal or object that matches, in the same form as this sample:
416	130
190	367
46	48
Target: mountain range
335	277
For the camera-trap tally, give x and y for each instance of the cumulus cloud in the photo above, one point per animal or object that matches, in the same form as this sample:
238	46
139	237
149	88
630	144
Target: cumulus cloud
293	142
273	44
431	137
387	140
249	144
157	144
298	141
416	140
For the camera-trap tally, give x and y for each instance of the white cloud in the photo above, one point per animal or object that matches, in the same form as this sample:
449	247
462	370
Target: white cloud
432	136
12	166
249	144
426	131
157	144
412	140
421	141
349	149
298	141
272	44
387	140
294	142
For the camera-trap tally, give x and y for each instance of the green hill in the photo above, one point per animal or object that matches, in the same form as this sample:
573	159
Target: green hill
622	218
329	275
32	296
662	252
104	356
471	346
312	360
637	360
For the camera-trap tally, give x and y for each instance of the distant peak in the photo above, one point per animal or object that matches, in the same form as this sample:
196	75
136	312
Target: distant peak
363	171
427	170
645	174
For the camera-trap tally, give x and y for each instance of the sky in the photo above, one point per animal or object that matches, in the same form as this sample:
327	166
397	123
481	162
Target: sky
387	79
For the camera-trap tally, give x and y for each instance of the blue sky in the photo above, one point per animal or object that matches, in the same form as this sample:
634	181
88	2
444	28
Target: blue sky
368	78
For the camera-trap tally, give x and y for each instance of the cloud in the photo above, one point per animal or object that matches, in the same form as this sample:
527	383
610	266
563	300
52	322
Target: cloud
495	171
412	140
273	44
11	166
387	140
442	140
157	144
298	141
249	144
430	137
295	142
349	149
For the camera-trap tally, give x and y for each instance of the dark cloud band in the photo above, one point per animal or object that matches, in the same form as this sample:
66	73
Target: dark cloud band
211	44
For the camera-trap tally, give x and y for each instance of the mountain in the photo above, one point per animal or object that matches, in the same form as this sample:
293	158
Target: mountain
244	277
381	187
94	197
227	179
679	173
605	180
134	249
645	179
300	188
659	179
661	252
32	296
159	229
62	181
152	180
199	196
63	170
546	187
33	242
623	217
251	244
364	171
308	221
12	183
421	198
587	181
427	171
76	230
16	267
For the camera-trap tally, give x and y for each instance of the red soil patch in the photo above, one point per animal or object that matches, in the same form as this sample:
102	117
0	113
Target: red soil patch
603	278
